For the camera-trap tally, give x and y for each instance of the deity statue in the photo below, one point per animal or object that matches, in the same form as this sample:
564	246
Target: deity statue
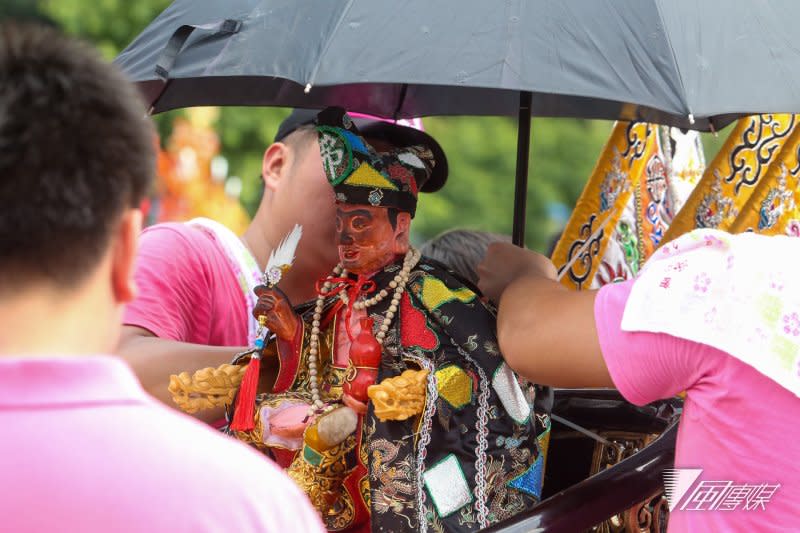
392	408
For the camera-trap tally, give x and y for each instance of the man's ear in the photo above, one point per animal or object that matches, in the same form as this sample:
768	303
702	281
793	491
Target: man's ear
123	255
402	232
277	158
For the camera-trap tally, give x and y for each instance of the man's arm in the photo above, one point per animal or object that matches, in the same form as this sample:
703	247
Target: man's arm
173	276
546	332
154	359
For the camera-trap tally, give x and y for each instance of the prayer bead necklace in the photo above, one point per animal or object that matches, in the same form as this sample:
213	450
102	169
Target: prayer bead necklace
398	284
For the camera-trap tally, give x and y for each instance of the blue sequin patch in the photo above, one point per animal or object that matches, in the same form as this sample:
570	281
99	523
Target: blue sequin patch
355	141
530	481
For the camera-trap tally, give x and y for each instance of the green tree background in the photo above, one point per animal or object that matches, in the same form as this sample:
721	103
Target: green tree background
481	150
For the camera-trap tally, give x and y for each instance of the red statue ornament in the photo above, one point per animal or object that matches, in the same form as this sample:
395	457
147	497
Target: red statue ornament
365	358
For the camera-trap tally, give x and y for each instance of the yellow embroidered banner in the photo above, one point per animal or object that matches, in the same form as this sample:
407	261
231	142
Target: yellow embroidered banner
621	257
731	178
602	202
670	174
774	206
653	205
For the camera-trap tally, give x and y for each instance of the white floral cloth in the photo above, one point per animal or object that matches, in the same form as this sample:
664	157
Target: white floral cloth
737	293
244	264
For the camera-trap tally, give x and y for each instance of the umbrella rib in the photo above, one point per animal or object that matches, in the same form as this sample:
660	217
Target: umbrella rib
400	101
674	60
314	71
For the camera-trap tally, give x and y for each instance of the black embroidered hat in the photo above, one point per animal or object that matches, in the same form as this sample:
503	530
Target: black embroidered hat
361	175
394	134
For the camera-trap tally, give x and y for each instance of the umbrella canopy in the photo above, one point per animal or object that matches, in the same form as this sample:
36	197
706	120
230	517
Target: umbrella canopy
680	62
665	61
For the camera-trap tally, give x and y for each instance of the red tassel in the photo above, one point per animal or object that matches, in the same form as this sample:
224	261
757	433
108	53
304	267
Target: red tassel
243	416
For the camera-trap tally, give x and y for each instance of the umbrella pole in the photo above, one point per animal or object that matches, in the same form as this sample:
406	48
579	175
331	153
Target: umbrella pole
523	152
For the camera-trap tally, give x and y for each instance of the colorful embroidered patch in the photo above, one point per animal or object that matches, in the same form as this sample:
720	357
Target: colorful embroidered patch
530	481
511	396
543	441
355	141
411	159
447	486
435	293
400	173
414	329
311	456
454	385
366	176
336	153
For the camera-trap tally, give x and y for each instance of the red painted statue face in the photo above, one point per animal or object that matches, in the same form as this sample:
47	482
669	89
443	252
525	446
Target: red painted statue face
366	239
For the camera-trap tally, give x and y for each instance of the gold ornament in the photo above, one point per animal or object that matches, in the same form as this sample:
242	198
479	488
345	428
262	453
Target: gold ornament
207	388
400	397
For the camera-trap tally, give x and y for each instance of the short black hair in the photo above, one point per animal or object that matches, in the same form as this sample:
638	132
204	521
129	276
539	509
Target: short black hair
76	149
300	139
461	250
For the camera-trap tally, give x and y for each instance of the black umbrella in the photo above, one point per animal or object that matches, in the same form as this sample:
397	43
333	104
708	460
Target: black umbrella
679	62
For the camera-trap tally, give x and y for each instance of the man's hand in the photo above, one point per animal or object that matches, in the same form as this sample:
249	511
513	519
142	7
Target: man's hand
505	263
547	333
276	309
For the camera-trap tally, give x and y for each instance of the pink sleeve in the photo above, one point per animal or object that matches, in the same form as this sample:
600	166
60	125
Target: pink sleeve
644	366
173	283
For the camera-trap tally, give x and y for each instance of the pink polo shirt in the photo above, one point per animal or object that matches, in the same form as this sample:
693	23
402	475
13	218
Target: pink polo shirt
187	288
83	448
737	424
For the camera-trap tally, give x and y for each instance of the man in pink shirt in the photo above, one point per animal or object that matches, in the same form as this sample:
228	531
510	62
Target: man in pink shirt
196	279
661	334
83	447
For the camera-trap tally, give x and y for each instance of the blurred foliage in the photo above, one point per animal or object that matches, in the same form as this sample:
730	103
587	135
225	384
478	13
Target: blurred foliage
481	150
481	153
712	142
28	10
108	24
